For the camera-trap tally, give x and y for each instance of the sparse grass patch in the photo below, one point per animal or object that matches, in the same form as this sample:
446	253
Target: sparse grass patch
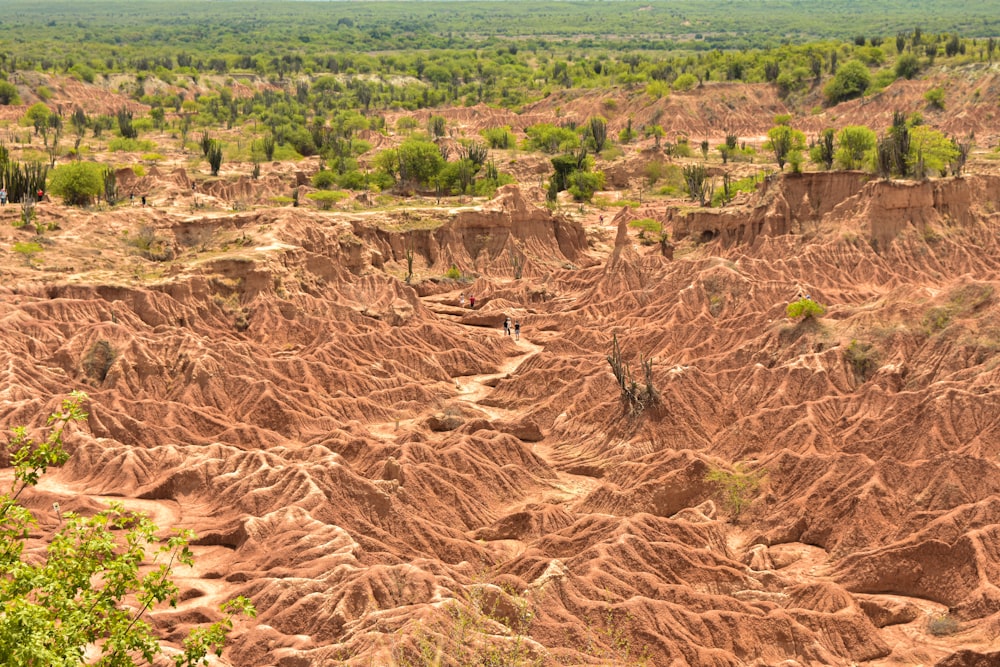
965	300
123	145
650	230
863	359
943	625
149	245
737	487
97	361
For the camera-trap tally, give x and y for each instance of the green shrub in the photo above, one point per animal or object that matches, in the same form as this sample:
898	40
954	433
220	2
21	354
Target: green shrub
149	244
720	196
851	80
650	230
737	486
646	225
78	183
935	98
862	357
326	199
548	138
855	143
657	89
407	123
685	81
907	66
453	273
323	179
937	318
680	149
805	308
583	184
124	145
8	93
27	249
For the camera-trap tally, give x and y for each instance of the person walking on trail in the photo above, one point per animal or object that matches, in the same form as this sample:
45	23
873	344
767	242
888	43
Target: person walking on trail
3	196
472	302
506	327
144	201
461	299
517	331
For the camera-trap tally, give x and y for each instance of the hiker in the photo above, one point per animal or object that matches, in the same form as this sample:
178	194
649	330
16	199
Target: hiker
461	299
41	194
144	201
601	219
506	327
3	196
517	331
472	302
131	199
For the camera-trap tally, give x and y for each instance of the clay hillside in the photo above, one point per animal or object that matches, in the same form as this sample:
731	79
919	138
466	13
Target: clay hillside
393	479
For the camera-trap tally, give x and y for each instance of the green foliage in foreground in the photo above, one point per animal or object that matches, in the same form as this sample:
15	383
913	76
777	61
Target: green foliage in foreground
74	597
805	308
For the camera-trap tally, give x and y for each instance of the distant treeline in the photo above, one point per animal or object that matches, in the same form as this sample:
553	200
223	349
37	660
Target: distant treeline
240	33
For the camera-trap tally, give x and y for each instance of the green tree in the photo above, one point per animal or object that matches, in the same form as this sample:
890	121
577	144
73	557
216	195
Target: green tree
935	98
37	116
214	156
583	184
74	597
598	131
78	183
851	80
436	125
782	140
551	139
854	146
930	150
907	66
8	93
823	152
685	81
499	137
417	160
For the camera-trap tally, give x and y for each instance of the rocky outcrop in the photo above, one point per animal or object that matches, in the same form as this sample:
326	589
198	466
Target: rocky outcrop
506	236
881	210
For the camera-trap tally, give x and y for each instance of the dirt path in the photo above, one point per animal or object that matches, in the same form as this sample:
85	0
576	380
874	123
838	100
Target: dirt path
164	513
473	389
